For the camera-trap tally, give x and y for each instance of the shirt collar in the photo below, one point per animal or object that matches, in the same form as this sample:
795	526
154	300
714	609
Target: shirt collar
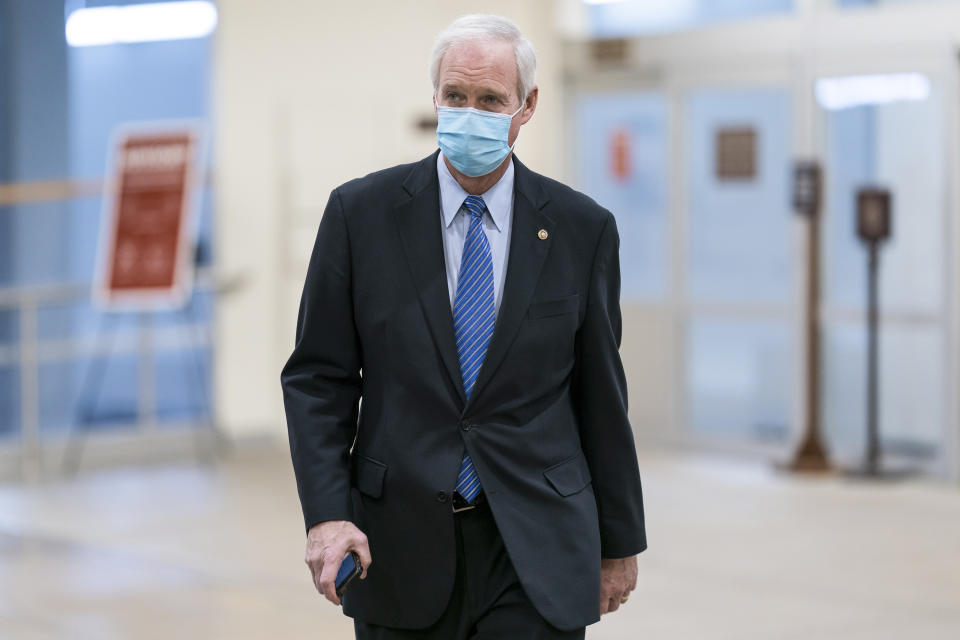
498	198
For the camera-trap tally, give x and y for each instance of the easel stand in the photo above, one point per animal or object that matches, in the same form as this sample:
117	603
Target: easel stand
209	441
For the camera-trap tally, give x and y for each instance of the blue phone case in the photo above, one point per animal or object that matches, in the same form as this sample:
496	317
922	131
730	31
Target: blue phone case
347	568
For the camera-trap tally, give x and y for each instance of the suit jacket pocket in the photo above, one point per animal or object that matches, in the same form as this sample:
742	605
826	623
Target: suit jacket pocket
368	476
570	476
555	307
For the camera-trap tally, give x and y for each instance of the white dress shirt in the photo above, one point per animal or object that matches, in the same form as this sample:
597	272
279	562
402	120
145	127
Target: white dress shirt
455	221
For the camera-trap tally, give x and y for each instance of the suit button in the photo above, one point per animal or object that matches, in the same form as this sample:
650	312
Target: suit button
465	425
441	496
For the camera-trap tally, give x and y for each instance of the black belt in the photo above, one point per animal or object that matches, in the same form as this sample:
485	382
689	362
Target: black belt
459	504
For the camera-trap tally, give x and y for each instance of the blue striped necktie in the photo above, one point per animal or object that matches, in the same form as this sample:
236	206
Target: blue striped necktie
473	318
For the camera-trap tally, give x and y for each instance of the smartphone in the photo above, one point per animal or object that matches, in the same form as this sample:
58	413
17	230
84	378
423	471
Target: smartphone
349	569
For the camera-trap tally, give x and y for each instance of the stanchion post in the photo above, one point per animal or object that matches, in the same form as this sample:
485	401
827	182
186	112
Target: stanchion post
873	228
811	455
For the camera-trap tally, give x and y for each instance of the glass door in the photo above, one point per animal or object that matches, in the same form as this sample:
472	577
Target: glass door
692	142
886	130
739	365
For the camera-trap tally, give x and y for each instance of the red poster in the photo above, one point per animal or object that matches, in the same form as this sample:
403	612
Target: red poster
620	155
146	239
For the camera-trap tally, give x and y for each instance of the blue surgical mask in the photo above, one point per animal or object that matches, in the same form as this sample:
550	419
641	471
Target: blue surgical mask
474	141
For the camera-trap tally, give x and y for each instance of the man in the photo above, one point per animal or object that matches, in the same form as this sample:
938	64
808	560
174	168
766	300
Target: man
489	481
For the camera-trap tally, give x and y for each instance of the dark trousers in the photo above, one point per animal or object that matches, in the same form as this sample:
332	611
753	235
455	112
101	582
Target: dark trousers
487	602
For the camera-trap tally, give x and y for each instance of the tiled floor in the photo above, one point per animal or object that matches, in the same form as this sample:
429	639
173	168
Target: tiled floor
737	551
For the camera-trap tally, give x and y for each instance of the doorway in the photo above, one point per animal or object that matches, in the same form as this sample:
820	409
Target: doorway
712	257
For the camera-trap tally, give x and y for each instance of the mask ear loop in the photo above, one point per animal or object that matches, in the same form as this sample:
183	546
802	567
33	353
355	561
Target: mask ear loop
519	109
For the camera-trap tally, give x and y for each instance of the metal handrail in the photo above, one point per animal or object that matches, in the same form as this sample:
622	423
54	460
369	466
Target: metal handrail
16	193
31	351
206	278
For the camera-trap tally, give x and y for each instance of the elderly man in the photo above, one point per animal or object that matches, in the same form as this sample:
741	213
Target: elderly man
489	481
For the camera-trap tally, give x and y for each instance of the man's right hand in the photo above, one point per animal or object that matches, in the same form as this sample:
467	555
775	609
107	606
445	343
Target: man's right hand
328	543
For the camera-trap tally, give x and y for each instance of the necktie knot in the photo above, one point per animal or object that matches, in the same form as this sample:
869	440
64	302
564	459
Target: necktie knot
475	205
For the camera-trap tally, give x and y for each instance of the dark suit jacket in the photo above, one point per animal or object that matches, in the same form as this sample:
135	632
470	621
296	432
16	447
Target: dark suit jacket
546	423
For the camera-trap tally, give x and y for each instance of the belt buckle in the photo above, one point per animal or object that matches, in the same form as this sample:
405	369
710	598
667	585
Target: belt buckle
466	506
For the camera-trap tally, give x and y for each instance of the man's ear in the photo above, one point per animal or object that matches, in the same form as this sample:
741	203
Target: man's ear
530	104
434	104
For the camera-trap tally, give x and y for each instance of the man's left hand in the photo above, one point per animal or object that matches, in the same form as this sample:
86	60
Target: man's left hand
618	577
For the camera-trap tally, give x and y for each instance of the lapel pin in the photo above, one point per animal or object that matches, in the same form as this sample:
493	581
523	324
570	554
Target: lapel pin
542	234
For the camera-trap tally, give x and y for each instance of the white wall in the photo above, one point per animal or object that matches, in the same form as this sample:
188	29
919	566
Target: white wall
310	94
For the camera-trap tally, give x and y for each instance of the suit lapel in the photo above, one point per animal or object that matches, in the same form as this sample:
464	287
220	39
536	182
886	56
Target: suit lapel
526	257
418	221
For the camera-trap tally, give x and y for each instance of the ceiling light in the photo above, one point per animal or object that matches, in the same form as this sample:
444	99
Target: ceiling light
854	91
141	23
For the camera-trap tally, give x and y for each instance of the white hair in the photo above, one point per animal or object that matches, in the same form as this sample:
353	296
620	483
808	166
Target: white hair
487	27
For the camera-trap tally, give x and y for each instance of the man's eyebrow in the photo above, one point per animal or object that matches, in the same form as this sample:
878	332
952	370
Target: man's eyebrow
452	86
494	92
